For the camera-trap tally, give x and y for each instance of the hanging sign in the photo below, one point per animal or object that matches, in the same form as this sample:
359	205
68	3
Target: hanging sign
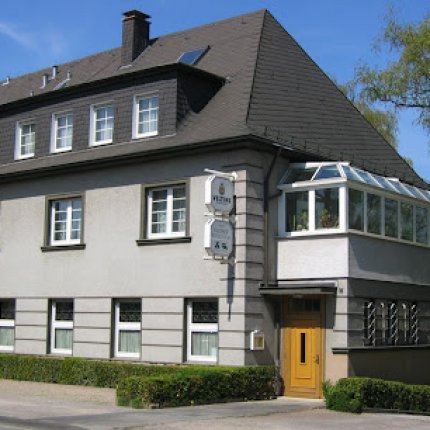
219	192
219	238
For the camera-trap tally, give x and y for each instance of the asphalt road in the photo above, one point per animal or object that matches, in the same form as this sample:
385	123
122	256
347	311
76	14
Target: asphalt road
26	405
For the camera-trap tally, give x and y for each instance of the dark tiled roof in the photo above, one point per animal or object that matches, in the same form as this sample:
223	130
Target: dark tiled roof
273	89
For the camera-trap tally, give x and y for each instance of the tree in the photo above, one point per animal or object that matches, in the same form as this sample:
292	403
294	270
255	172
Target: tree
405	82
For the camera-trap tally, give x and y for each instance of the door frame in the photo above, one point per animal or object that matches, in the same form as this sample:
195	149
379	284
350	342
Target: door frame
288	319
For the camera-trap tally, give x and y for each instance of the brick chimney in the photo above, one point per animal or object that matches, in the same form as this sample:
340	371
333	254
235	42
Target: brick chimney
135	35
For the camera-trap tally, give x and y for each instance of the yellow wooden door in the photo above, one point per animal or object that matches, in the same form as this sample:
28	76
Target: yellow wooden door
302	356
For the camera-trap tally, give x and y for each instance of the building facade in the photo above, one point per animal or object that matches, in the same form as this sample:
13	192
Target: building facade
103	175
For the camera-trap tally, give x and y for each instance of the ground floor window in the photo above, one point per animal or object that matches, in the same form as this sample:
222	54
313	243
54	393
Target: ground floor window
202	330
128	317
390	323
61	326
7	325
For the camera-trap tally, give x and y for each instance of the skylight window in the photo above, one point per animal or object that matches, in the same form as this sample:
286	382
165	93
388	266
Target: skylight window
192	57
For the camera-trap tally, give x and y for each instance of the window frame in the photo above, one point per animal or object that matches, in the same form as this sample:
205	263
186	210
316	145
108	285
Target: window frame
146	218
54	130
49	223
18	139
201	328
93	123
135	116
9	323
119	326
61	325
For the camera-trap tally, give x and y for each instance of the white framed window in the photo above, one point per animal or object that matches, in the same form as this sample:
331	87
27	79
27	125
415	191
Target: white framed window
62	132
167	211
25	142
202	330
7	324
127	335
101	124
65	222
145	116
61	326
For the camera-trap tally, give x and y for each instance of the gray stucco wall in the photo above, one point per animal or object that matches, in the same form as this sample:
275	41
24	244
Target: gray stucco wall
111	266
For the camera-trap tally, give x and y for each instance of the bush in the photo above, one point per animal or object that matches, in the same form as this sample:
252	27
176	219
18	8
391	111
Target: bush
355	394
74	371
192	386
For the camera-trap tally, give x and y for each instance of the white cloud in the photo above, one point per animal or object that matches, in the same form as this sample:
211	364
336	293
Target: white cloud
41	42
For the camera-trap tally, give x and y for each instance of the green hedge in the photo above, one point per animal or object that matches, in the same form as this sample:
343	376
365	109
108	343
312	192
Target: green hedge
74	371
201	386
356	394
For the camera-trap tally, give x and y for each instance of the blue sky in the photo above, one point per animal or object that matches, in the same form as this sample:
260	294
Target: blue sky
335	33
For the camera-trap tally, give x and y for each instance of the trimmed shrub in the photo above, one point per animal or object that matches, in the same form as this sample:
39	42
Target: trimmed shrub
355	394
191	386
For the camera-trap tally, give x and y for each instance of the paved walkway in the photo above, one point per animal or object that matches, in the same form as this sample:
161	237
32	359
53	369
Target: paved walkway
30	405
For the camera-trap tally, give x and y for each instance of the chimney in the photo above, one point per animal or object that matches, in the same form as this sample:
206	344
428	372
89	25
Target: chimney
135	35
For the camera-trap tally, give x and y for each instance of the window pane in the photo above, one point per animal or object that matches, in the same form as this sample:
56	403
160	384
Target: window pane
406	221
373	214
391	218
327	172
299	175
64	311
205	312
422	228
129	312
327	208
63	338
7	336
7	309
356	209
297	215
205	344
129	341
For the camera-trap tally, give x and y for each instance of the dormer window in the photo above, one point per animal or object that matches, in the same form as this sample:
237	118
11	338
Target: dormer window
145	116
62	132
25	140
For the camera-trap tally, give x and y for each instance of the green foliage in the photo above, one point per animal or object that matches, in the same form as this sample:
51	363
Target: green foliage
403	83
193	385
74	371
355	394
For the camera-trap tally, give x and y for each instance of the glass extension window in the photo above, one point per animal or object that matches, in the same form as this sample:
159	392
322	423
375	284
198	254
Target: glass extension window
406	221
102	122
25	140
321	198
62	326
7	324
167	212
146	116
297	207
373	214
422	225
62	132
65	221
391	217
202	330
356	209
128	317
327	208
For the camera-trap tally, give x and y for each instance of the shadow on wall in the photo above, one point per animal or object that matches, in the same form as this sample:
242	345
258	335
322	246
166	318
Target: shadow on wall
410	365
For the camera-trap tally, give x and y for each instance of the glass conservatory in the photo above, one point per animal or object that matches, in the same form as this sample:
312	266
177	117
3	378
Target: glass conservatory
334	197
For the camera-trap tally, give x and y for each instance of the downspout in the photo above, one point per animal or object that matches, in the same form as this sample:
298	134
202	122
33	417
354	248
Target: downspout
277	379
266	217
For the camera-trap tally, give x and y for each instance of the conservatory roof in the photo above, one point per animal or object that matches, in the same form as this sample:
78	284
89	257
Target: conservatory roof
314	172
